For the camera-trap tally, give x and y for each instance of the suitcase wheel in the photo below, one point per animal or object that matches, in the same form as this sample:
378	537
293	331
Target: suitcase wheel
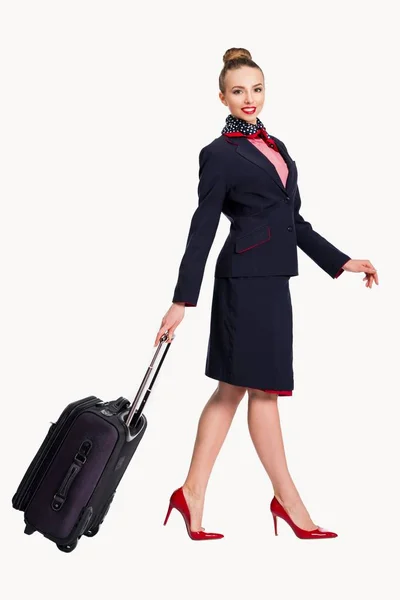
68	547
92	532
29	529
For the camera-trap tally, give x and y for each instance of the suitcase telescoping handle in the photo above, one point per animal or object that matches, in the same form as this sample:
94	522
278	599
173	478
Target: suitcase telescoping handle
136	409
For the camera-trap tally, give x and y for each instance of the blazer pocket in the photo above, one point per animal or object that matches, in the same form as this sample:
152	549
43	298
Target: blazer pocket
254	238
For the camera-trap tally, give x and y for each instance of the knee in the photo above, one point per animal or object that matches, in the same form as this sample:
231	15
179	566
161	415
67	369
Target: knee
256	394
231	393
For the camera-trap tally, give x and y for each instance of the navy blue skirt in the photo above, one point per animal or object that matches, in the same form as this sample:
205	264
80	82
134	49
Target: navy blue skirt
251	333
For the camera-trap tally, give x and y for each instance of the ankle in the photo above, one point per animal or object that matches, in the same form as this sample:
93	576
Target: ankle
287	499
194	489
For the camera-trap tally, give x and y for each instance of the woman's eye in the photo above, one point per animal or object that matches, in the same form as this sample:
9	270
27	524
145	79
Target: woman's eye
241	90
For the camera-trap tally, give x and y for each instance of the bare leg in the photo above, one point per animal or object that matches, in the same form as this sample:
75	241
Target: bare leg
214	424
266	434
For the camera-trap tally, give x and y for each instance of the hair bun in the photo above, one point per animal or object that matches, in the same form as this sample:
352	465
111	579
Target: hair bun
233	53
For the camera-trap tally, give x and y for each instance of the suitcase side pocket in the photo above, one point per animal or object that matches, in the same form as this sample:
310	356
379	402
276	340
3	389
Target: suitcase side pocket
20	500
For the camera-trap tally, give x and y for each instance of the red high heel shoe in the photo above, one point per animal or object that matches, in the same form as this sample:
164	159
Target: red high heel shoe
277	510
178	501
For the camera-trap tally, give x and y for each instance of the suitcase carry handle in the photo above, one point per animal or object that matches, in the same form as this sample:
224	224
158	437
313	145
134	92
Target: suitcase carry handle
80	459
138	404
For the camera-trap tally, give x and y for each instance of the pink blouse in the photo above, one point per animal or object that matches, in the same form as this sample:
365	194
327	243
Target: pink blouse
275	157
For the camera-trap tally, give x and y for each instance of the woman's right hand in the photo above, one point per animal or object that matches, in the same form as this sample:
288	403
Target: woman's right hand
171	321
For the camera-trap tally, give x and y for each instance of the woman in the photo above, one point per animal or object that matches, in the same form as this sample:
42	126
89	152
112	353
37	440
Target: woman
248	175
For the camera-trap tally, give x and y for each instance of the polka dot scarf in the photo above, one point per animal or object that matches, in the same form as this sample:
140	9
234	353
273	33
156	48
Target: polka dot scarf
239	127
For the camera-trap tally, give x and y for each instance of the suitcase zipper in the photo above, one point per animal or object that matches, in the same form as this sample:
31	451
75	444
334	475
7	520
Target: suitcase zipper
19	500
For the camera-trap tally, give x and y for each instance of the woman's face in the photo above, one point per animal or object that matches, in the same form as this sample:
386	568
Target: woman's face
244	87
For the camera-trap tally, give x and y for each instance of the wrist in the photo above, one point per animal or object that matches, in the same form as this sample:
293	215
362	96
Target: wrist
346	263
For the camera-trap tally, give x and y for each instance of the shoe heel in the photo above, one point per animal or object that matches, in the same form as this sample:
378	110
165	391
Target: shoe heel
275	524
168	513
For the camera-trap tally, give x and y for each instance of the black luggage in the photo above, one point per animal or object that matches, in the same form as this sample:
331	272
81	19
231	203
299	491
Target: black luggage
71	482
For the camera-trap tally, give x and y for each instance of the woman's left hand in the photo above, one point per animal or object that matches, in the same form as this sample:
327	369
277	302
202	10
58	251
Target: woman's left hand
360	266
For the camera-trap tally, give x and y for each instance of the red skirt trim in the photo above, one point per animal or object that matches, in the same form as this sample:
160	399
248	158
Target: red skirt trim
279	392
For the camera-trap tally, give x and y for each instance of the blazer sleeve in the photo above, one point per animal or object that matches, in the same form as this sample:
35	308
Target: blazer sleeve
212	190
322	252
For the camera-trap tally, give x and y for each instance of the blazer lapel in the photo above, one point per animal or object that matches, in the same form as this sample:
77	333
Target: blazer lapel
246	149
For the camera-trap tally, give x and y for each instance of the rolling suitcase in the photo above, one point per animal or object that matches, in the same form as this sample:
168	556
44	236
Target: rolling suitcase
68	488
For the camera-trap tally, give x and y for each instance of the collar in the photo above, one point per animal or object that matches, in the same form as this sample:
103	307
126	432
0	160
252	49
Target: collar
234	127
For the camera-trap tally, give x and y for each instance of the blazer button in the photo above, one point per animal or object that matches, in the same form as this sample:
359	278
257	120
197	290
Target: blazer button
290	228
286	200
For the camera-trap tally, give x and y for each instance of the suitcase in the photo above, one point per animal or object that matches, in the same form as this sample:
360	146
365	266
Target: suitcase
68	488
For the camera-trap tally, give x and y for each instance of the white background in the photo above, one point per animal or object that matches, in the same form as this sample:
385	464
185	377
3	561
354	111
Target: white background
104	109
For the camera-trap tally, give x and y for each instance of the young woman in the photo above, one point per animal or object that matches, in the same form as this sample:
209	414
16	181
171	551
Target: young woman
249	176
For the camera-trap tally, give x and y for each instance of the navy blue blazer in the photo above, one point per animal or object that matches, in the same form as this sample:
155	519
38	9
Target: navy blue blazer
236	179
